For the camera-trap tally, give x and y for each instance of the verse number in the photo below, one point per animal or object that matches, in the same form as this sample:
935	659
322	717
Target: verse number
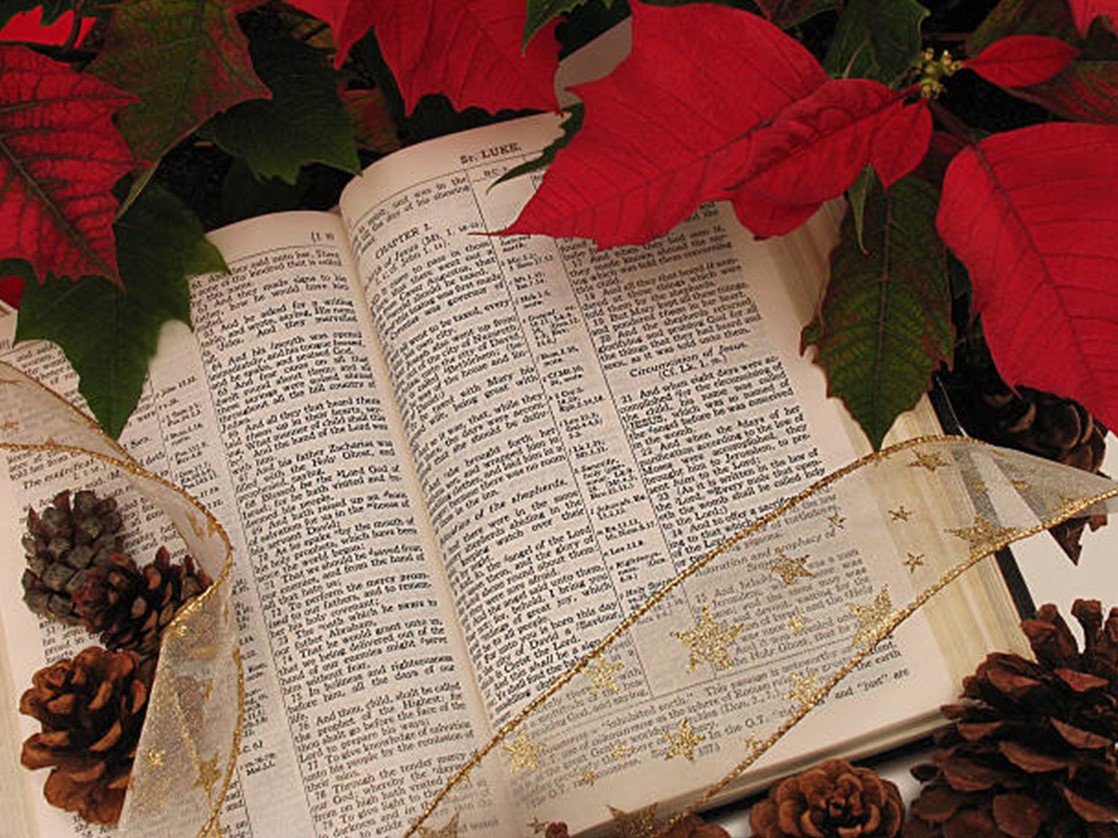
318	236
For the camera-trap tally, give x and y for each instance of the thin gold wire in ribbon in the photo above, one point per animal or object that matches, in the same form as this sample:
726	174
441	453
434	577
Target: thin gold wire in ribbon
202	628
1068	510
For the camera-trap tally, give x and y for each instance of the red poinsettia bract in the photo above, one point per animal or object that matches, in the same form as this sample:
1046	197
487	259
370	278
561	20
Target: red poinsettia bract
468	49
1022	60
1033	214
61	155
712	103
816	147
697	80
1085	11
28	28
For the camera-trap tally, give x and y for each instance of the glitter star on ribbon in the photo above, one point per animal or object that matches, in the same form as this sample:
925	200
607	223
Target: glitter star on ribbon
803	687
708	641
537	826
796	623
871	618
208	775
929	461
913	561
588	777
523	754
638	824
602	676
984	535
899	514
790	569
683	742
450	830
619	750
836	521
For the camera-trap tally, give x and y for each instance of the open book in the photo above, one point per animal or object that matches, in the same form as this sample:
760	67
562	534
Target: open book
451	463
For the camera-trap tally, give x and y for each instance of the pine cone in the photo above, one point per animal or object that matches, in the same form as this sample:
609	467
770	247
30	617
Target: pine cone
831	800
62	542
1033	753
91	709
130	606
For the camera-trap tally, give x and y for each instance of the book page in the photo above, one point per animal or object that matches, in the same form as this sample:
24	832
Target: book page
357	702
587	423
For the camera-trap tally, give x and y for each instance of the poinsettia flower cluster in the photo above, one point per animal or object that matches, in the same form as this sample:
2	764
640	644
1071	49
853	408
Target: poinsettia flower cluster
712	103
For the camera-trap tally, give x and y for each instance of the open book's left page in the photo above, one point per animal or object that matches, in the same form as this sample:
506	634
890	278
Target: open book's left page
274	415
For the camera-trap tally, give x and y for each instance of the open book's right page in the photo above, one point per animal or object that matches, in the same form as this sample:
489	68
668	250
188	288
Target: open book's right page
587	423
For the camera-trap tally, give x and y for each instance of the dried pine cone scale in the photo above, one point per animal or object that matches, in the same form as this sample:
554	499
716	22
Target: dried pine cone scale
91	709
1033	753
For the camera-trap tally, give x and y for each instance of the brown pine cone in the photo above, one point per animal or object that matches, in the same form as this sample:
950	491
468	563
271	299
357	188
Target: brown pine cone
130	606
831	800
91	709
1033	752
69	536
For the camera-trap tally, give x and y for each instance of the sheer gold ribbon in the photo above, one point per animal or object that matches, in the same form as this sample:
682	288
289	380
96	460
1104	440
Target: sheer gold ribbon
700	684
191	736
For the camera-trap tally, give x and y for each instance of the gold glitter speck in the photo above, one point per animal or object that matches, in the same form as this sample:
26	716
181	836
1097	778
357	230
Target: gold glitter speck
900	513
913	561
708	641
790	569
983	535
682	743
619	750
872	617
797	623
803	687
588	777
523	754
602	676
450	830
929	461
155	757
208	775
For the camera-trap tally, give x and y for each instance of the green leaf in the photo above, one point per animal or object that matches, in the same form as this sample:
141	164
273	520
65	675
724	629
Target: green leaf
185	59
789	13
1084	90
542	12
304	121
856	195
245	196
569	126
109	334
885	322
876	40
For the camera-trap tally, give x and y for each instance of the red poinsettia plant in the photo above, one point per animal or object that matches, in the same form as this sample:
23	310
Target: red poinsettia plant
775	106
